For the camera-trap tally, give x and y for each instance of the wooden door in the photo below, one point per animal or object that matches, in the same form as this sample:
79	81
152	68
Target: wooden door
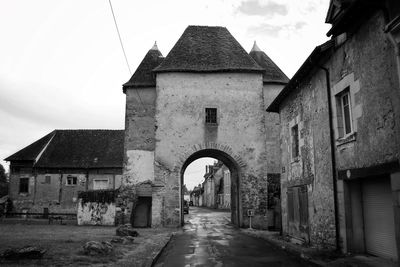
142	213
297	201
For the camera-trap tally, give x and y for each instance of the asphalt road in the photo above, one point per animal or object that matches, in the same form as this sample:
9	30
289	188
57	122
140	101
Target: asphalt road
208	239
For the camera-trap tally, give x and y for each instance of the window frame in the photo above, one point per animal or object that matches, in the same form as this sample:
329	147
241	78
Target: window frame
26	185
208	117
74	180
101	179
350	118
47	179
295	142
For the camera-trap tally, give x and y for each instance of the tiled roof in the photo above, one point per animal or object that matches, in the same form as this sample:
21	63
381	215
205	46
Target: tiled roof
306	69
144	76
207	49
272	73
77	149
30	152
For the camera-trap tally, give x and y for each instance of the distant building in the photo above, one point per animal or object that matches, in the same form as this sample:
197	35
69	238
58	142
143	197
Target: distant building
340	134
196	196
217	186
45	177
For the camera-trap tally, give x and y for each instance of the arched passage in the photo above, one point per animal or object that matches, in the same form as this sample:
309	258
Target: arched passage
234	169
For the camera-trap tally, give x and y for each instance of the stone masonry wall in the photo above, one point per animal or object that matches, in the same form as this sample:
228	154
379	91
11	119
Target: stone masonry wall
307	106
272	129
366	63
139	135
56	195
181	131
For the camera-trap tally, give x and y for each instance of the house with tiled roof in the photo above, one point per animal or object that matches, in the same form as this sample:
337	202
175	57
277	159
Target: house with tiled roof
206	98
46	176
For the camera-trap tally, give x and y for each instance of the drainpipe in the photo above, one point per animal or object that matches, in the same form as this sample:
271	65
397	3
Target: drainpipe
333	148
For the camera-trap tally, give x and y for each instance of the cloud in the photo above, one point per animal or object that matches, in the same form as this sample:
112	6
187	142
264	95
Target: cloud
265	29
254	7
299	25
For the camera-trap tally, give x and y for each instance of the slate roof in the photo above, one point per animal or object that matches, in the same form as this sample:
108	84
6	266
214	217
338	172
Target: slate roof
207	49
144	76
272	73
76	149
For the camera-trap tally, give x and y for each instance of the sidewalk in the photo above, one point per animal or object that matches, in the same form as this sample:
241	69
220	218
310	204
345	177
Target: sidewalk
319	257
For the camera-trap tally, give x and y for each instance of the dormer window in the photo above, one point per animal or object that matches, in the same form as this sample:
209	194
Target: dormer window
211	116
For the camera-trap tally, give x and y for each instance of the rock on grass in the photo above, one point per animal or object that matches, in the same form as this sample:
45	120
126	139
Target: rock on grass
97	248
27	252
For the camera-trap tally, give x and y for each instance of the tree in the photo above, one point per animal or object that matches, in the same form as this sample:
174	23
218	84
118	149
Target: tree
3	182
3	176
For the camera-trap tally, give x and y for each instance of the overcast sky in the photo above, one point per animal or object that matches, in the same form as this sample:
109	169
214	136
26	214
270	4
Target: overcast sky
62	67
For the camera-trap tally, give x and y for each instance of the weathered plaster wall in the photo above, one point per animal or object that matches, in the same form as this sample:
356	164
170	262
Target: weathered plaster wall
23	201
57	196
94	213
181	131
367	63
307	107
139	138
139	135
272	129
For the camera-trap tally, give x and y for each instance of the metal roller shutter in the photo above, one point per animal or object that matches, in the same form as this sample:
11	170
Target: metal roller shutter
379	227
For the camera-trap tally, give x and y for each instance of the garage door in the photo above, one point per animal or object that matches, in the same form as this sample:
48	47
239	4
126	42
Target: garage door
379	228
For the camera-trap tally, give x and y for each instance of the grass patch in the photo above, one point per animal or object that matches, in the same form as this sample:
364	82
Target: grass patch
64	244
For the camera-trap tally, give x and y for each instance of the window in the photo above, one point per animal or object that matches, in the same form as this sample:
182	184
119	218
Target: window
47	179
24	185
71	180
346	112
100	184
295	141
211	115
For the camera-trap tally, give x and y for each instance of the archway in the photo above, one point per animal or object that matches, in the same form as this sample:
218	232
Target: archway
234	169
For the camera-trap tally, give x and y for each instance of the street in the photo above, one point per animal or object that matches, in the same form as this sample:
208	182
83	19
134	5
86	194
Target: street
208	239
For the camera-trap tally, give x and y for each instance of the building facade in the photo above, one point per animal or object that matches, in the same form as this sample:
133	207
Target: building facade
46	176
340	134
179	109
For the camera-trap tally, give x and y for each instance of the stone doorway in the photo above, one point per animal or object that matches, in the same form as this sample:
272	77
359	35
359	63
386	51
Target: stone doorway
233	167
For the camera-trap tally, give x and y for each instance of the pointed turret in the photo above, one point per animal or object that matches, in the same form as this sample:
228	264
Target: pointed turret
255	48
155	47
272	73
144	76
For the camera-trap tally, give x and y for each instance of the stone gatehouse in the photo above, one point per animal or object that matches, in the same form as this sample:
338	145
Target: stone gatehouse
207	98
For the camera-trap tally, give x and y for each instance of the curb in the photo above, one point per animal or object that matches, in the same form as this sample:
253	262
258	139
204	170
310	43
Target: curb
287	247
157	256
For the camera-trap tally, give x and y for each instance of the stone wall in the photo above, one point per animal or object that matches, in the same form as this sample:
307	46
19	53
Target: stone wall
272	129
181	132
139	135
366	63
54	193
307	107
95	213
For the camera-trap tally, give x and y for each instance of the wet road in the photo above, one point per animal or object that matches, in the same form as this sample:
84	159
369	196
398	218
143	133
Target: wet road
208	239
